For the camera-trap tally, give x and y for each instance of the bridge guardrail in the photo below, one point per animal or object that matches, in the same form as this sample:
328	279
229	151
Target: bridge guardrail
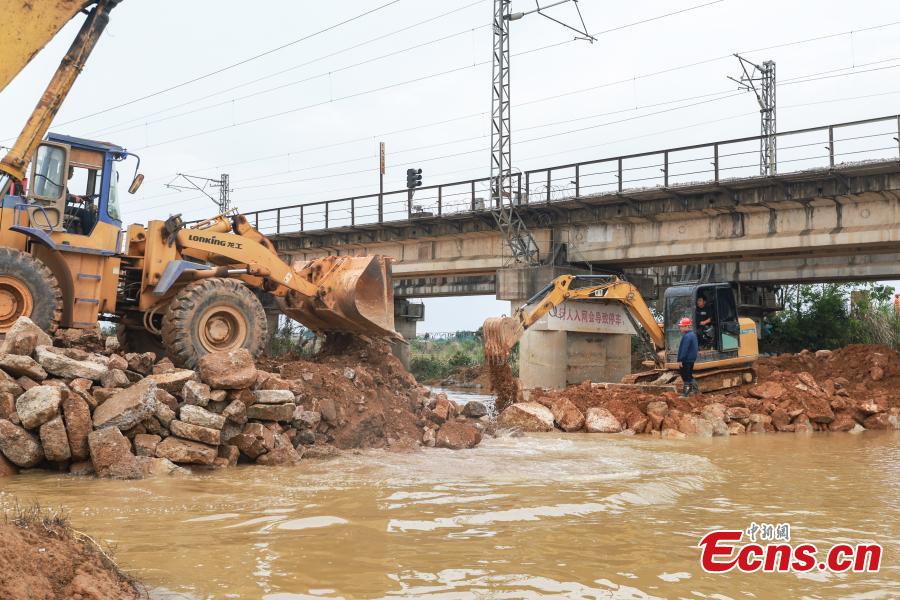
823	147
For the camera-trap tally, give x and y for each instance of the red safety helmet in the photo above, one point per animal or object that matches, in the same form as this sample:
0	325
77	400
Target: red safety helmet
685	322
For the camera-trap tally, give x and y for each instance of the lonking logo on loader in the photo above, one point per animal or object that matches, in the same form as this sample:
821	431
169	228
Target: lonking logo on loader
214	241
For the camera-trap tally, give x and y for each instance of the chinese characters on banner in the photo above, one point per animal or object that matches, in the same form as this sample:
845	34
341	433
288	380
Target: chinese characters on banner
587	317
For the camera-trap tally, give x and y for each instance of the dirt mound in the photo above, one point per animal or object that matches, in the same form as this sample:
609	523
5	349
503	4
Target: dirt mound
130	415
850	388
369	399
864	367
43	558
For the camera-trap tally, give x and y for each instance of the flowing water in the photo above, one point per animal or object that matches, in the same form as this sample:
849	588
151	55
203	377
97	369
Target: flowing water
563	516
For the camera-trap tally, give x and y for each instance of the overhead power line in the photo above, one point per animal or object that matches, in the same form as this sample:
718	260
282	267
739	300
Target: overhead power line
703	99
238	63
606	143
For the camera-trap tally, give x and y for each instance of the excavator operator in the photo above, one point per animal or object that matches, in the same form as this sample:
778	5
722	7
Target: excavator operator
705	318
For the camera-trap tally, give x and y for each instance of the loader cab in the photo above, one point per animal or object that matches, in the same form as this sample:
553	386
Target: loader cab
74	188
721	339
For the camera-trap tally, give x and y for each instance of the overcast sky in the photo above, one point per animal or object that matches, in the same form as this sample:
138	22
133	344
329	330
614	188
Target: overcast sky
302	123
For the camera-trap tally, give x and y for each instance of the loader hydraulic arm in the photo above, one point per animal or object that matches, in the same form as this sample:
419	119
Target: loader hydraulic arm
33	25
345	294
501	334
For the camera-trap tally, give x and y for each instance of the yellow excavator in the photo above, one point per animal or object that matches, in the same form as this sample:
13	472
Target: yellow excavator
725	361
179	290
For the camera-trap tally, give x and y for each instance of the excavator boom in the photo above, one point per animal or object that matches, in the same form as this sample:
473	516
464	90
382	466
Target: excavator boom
502	333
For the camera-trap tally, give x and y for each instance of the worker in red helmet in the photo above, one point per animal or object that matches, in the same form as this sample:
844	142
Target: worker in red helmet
687	356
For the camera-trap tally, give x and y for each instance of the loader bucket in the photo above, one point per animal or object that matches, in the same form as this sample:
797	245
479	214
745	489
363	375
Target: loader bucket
356	296
500	335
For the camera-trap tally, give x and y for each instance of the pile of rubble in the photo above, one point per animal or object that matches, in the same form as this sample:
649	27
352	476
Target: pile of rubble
131	415
851	389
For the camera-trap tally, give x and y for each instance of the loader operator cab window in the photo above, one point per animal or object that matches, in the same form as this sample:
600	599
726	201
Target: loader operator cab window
49	177
82	196
112	203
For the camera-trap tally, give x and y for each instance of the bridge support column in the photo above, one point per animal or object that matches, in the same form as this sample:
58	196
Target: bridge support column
553	359
406	315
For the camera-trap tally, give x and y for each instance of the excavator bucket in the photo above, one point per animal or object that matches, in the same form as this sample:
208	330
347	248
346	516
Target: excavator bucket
500	335
355	296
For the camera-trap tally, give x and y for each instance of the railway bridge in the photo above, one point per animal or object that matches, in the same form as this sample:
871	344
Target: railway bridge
830	213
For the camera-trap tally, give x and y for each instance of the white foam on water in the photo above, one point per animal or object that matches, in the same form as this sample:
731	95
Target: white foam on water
312	523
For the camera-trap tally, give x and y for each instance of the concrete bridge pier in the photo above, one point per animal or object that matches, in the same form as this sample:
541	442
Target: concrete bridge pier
568	348
406	315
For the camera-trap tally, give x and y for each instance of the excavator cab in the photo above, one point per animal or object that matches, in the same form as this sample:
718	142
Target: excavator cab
720	339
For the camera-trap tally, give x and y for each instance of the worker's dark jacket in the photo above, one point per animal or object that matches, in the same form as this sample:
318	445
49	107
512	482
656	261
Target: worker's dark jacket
687	349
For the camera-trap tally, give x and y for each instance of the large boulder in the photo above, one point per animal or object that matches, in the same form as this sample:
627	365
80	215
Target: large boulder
171	382
690	424
19	446
38	405
145	444
8	408
115	378
457	435
19	365
196	393
202	417
111	455
567	415
213	437
271	412
817	408
7	468
474	409
141	362
656	412
236	412
127	407
767	390
163	413
282	454
255	440
24	328
182	451
273	396
55	441
526	416
600	420
68	368
231	370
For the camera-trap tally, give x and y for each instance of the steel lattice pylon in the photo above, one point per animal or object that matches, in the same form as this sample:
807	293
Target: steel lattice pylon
768	146
521	243
761	81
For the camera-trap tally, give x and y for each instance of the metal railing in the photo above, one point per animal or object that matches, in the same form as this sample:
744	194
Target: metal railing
814	148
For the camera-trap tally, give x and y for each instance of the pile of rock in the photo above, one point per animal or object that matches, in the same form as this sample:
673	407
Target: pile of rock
130	415
785	401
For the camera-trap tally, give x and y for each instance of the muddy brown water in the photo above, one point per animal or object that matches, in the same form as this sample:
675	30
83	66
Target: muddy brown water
562	516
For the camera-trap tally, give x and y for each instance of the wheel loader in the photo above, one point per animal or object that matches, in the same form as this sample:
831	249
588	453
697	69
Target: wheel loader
180	290
726	360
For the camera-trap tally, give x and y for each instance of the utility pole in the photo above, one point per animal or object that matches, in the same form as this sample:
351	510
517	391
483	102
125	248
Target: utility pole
380	182
201	184
760	79
224	194
521	243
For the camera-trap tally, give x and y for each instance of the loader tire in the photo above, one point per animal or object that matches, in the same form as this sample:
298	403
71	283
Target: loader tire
213	315
133	339
28	288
